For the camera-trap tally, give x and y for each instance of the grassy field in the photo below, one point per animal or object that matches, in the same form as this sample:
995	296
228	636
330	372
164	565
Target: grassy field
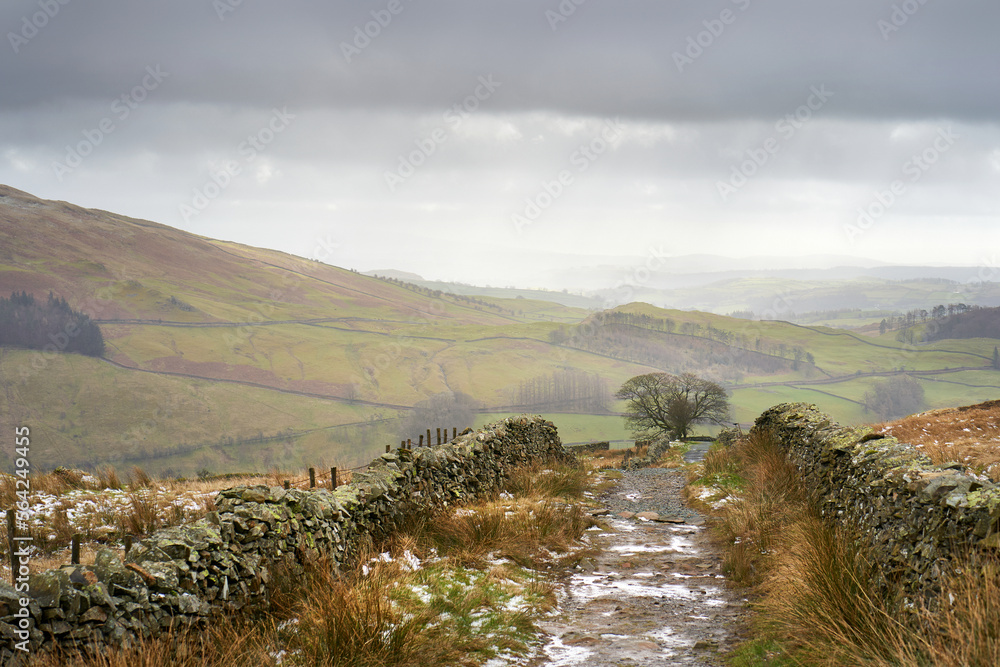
82	410
236	356
574	428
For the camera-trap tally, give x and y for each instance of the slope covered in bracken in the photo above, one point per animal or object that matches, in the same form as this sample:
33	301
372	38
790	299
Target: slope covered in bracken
969	435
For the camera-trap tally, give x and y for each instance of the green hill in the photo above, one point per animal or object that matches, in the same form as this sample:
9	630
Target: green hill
224	356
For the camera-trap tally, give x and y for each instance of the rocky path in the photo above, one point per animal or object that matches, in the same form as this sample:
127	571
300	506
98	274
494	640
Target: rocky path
655	596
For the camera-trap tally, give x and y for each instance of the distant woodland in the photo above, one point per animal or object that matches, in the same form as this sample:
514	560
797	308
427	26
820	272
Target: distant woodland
969	322
50	325
569	391
689	347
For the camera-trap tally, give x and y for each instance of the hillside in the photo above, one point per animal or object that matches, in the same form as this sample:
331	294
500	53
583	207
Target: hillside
827	298
973	323
221	356
827	366
968	435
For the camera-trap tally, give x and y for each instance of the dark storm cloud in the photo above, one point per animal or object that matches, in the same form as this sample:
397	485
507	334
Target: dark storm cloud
417	128
638	59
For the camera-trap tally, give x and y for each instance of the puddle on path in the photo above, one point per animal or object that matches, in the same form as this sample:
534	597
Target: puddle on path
655	596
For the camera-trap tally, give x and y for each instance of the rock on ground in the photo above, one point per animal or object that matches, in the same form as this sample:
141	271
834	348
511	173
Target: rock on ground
656	594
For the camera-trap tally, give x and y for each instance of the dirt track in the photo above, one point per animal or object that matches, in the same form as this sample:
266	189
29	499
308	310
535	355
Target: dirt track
656	595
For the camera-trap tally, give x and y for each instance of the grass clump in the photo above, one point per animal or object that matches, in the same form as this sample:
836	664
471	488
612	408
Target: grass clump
225	643
817	594
563	481
457	588
463	587
525	532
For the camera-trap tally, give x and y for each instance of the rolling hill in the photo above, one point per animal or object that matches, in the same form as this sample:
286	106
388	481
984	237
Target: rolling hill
222	356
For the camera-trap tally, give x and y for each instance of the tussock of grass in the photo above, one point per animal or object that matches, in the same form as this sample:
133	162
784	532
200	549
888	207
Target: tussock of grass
143	515
821	595
719	469
816	590
557	480
354	622
226	643
525	532
460	588
138	479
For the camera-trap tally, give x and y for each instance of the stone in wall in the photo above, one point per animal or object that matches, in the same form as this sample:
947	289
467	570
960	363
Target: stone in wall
914	518
183	576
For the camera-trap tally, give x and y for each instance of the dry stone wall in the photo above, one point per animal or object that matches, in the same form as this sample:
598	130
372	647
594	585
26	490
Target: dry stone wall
914	516
185	575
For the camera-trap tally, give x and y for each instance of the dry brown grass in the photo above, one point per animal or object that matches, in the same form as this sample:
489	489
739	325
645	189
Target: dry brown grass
605	458
816	593
772	497
614	458
525	532
223	645
548	481
967	632
353	621
968	435
103	509
375	612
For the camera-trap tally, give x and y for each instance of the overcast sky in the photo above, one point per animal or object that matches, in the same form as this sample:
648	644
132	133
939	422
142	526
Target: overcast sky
488	141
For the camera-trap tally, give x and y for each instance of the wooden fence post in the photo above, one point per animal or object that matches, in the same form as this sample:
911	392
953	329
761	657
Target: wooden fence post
421	443
288	485
454	432
388	448
333	479
128	544
439	434
312	478
428	437
75	550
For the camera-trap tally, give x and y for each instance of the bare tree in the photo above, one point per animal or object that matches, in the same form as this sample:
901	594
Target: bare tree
672	404
895	397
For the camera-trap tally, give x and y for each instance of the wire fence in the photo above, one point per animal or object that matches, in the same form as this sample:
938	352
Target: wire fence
19	536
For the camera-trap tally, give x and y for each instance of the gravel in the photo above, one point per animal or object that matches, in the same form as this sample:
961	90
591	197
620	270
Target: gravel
651	490
653	594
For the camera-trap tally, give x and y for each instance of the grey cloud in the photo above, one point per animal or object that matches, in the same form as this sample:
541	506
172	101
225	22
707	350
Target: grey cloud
686	128
607	58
